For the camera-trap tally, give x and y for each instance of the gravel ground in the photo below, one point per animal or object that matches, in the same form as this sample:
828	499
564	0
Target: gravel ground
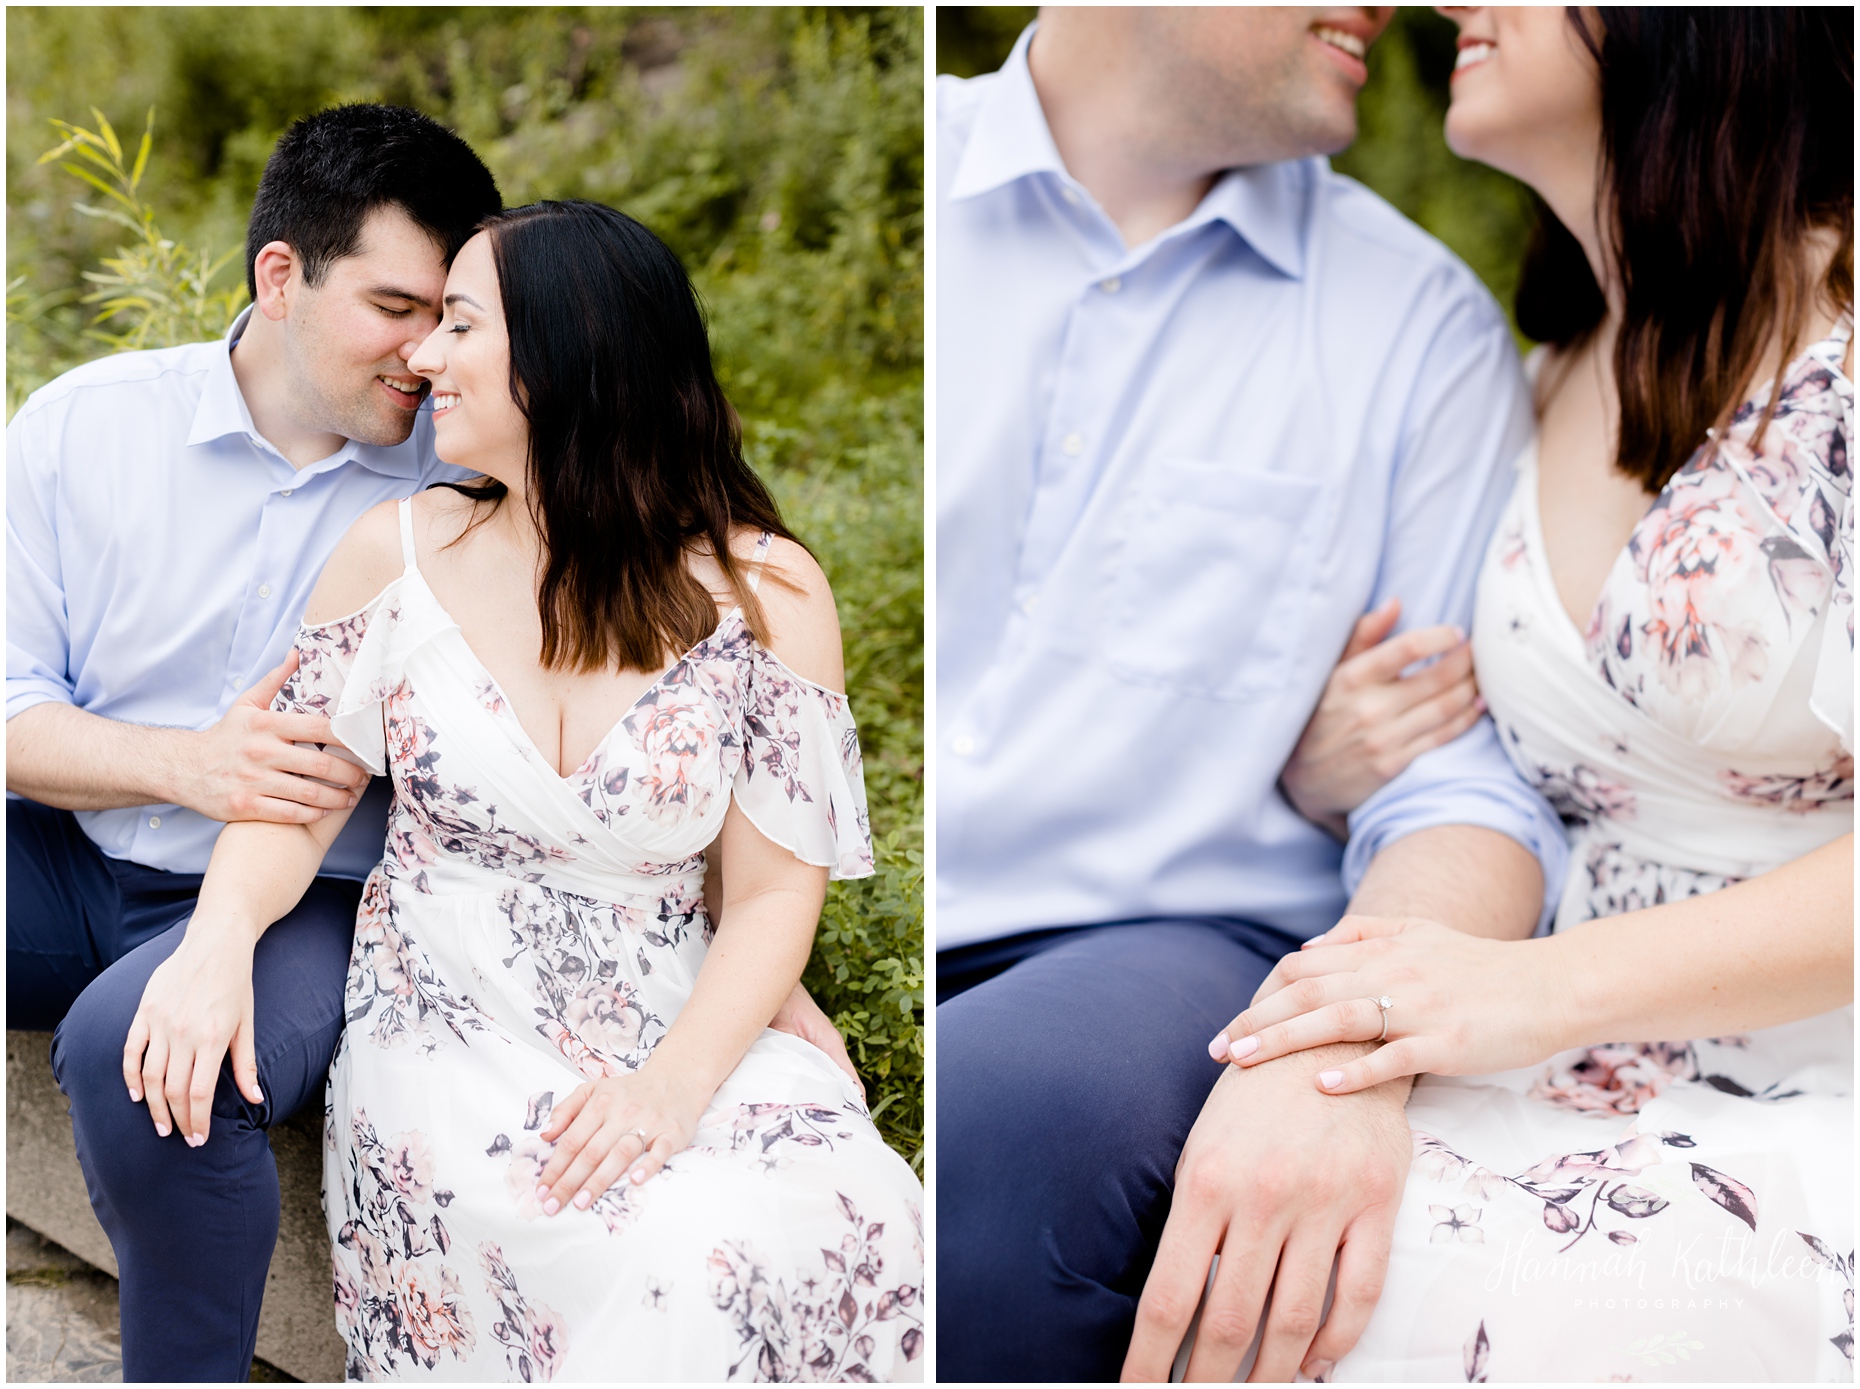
61	1317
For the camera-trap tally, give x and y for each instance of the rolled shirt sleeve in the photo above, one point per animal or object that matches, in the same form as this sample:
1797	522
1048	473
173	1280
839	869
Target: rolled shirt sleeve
37	638
1472	407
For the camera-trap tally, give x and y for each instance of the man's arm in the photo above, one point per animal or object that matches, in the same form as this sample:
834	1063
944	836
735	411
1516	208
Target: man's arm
1299	1181
243	768
246	767
1458	833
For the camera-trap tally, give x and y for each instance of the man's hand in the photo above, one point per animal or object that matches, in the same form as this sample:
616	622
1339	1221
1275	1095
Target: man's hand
1277	1185
248	765
801	1017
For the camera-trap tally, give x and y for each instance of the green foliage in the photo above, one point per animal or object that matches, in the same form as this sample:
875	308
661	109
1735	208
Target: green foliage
162	292
778	151
1399	152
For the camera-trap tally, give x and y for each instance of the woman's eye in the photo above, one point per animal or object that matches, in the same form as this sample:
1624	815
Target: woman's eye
459	328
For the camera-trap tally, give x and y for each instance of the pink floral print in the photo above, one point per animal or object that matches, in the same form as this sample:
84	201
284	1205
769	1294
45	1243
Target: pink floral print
526	933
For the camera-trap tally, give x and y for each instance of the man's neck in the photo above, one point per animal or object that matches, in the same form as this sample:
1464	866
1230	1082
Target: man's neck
1111	141
259	368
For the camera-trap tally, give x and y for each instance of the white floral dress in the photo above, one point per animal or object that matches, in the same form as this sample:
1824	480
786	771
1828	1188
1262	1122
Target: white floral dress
526	932
1677	1211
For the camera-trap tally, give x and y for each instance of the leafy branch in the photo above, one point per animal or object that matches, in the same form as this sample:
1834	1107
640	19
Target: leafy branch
158	291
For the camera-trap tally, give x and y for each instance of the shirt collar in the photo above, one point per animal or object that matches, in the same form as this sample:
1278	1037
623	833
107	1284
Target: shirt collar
1264	204
222	411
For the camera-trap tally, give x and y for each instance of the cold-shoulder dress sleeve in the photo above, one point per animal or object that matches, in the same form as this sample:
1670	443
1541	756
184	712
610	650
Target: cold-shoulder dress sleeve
801	781
340	674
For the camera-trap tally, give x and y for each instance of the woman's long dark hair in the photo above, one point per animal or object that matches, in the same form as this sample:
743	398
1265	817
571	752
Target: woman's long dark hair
1727	142
635	455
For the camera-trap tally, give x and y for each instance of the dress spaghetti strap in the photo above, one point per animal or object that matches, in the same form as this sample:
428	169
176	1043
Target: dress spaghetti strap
759	559
406	535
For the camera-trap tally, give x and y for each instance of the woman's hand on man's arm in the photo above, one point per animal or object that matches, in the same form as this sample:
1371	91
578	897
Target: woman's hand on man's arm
1769	950
1372	721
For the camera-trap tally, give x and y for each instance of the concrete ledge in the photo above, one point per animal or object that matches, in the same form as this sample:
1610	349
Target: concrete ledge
45	1191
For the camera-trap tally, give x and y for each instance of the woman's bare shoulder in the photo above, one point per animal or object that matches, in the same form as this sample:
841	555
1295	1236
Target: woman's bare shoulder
803	623
366	560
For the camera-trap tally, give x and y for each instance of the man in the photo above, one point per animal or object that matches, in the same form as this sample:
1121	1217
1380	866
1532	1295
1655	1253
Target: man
168	514
1201	403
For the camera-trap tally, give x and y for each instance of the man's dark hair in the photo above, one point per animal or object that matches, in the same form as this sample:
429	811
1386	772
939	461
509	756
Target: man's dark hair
334	168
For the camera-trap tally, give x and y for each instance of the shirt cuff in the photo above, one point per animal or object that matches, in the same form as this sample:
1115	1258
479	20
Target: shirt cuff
1424	797
21	695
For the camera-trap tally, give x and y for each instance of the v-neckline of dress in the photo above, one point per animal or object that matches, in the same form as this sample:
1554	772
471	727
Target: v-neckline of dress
1840	333
508	707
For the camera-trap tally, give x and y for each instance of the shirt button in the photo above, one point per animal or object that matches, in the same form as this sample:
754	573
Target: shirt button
287	492
1070	196
264	590
1112	285
154	822
962	745
1029	603
1073	444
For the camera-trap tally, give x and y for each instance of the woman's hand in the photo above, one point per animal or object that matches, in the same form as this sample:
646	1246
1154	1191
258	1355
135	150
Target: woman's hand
801	1017
196	1005
1372	721
1461	1004
623	1124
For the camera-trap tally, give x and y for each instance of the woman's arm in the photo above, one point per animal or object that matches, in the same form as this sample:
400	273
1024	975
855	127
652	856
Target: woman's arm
198	1002
771	903
1770	950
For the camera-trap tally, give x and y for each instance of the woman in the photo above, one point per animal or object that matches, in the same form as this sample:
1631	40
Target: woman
561	1142
1664	633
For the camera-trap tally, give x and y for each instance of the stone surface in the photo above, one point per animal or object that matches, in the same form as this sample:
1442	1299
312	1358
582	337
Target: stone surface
61	1318
45	1191
60	1315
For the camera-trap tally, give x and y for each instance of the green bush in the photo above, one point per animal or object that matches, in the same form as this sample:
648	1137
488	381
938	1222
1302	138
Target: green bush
778	151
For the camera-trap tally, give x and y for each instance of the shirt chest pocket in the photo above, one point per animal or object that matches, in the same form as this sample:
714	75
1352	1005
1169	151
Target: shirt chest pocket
1209	589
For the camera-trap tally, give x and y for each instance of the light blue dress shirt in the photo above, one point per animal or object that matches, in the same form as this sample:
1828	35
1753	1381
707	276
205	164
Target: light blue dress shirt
160	555
1168	481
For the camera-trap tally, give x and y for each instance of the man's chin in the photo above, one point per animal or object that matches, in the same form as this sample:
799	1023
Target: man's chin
383	430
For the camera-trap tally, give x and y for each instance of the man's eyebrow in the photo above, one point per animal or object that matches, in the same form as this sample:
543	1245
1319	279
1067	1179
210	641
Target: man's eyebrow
394	292
452	299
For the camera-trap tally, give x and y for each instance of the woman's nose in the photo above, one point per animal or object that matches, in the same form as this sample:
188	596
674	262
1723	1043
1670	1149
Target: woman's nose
424	359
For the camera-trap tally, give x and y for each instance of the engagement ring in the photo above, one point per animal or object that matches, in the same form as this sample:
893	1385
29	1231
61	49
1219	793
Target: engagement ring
1384	1003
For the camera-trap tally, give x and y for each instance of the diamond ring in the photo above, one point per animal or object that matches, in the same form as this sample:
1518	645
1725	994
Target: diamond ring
1384	1003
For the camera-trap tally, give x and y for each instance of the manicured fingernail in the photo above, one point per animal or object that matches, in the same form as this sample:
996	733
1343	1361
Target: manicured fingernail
163	1130
1479	703
583	1199
135	1096
1330	1080
542	1191
639	1175
1320	1370
1245	1047
196	1140
551	1206
1459	633
1218	1047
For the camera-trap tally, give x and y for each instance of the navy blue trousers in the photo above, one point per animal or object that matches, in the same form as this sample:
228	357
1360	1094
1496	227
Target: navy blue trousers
1070	1066
193	1228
